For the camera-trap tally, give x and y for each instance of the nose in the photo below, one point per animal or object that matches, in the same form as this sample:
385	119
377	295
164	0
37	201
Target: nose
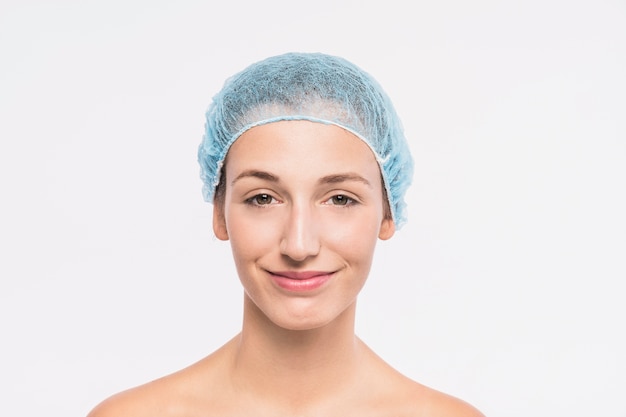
300	239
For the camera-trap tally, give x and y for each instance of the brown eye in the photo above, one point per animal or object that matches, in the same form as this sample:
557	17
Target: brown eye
340	200
262	199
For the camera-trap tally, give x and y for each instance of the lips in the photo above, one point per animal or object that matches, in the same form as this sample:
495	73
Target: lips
301	281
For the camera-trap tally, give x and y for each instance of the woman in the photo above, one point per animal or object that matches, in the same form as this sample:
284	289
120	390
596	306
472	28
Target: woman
306	164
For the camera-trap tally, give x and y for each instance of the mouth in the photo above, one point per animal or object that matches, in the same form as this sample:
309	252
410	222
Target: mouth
301	281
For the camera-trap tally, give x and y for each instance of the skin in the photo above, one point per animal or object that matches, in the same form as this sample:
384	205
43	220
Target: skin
299	196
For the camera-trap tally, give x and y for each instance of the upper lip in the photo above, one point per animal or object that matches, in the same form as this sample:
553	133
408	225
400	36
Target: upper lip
300	274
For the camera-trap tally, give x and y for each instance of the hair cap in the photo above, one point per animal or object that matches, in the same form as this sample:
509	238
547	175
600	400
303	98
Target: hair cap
315	87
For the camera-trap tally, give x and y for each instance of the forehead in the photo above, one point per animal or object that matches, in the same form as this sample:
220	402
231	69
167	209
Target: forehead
300	144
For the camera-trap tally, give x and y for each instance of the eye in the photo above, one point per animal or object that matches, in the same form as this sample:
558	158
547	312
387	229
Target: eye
261	200
340	200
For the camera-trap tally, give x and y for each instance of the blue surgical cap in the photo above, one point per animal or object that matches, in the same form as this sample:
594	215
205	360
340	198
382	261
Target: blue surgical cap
315	87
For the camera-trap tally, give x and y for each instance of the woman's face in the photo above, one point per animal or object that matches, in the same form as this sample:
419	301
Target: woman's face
303	209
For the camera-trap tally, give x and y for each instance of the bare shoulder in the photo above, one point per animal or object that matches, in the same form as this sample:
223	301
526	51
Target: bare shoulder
432	403
411	399
131	402
153	399
402	396
178	394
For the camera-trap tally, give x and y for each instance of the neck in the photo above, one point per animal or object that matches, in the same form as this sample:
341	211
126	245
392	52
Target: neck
301	365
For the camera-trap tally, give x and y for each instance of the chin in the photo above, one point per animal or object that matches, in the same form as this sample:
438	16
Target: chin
311	320
303	325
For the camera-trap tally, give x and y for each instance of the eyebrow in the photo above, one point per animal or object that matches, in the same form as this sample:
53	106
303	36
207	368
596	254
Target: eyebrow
256	174
339	178
329	179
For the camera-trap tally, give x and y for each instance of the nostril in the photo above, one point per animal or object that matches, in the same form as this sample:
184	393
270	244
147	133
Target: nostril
300	239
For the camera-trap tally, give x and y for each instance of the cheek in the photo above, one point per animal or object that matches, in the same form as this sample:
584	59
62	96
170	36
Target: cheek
249	237
355	239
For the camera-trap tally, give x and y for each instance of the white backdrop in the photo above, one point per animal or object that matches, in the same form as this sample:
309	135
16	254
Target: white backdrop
505	287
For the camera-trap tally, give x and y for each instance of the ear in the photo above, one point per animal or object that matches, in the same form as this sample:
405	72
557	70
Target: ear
219	222
387	229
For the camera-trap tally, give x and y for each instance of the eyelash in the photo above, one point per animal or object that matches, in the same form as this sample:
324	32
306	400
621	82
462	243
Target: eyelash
253	201
348	200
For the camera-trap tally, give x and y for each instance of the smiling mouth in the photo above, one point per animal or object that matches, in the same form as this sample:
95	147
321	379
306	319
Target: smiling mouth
301	281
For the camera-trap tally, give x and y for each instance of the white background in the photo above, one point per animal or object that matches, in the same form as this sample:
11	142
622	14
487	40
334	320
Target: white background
505	288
